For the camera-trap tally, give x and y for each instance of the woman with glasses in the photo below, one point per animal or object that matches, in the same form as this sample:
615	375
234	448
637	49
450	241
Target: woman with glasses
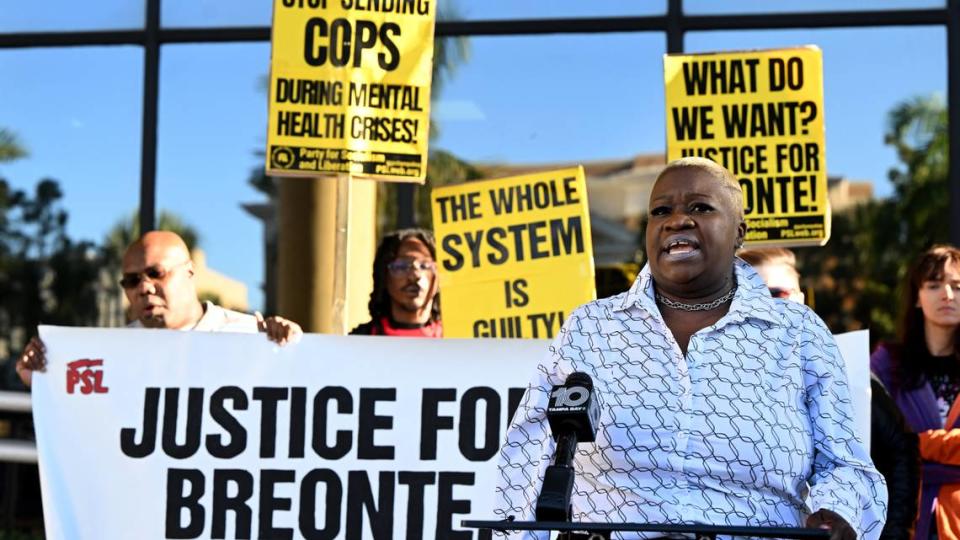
404	301
922	371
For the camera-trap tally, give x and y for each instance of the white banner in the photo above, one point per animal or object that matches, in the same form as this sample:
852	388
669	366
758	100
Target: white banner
855	348
161	434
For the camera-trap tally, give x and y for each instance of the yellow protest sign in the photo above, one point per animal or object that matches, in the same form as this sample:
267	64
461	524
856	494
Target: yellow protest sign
515	254
759	114
350	88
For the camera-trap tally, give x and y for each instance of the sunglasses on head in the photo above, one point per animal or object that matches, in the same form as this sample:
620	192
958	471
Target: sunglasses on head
778	292
131	280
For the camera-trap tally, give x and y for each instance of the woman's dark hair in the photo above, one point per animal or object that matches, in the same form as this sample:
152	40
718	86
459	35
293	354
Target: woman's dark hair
379	304
911	353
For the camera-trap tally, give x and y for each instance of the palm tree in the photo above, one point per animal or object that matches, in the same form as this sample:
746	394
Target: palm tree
125	231
448	54
917	130
857	274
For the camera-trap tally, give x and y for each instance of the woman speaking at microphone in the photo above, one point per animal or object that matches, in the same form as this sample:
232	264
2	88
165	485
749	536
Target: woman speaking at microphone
720	404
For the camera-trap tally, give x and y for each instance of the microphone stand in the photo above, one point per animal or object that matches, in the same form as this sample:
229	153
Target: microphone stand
554	512
553	504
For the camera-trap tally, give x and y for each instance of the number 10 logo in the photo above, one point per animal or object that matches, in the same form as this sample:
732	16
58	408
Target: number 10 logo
572	396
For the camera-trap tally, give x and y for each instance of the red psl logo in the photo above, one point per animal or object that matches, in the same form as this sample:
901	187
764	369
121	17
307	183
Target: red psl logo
87	374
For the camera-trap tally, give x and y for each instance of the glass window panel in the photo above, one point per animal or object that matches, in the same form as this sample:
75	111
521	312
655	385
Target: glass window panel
190	13
703	7
214	13
558	98
864	78
213	126
78	112
546	9
67	15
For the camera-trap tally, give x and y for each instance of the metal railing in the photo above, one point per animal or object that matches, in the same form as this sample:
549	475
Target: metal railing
15	450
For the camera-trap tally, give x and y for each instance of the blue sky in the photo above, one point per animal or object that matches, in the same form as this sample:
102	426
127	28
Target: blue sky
518	99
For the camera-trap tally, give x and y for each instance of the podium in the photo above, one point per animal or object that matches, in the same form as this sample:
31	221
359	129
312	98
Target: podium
602	531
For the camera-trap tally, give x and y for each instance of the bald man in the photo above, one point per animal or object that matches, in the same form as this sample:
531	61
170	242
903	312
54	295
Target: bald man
158	280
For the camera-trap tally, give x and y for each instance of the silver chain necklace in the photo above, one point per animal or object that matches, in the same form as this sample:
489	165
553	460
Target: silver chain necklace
695	307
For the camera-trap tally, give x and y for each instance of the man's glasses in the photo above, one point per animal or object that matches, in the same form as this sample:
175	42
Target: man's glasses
131	280
402	268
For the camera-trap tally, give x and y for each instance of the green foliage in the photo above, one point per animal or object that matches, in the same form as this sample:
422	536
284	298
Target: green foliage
857	276
208	296
448	52
18	535
10	147
917	129
443	168
44	276
125	231
259	180
850	277
30	225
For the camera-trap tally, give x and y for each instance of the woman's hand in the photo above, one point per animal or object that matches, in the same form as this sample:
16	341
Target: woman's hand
831	521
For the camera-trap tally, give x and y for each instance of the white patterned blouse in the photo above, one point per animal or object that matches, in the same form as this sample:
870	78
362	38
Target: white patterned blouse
749	428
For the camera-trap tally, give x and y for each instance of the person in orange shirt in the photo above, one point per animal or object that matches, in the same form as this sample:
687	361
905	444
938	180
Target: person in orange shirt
922	372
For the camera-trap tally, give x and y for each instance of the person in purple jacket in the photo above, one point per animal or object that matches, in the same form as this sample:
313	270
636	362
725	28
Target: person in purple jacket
922	372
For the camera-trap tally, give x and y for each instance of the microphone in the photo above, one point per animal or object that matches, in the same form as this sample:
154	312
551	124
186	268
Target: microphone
573	412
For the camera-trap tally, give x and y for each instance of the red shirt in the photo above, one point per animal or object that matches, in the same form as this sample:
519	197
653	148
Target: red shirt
386	327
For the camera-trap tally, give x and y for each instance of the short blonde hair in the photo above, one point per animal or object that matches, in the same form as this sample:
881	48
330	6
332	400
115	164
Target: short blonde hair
715	170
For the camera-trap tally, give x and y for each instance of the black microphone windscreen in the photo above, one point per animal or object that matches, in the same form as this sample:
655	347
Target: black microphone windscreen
573	408
579	378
